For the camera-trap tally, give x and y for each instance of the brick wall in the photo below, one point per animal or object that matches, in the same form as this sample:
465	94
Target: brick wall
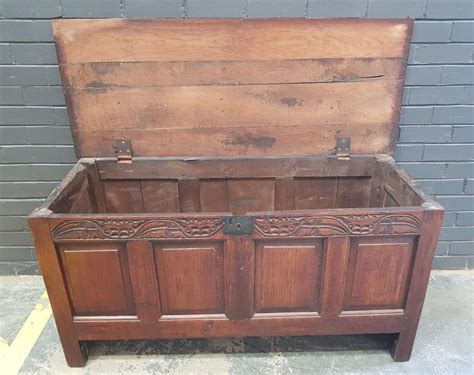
436	127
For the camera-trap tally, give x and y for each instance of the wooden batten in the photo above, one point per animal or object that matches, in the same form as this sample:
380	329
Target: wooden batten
233	87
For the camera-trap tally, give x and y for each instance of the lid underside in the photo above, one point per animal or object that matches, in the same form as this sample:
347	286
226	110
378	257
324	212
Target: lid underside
233	87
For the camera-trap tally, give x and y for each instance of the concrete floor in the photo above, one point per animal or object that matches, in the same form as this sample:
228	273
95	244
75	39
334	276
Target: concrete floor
444	345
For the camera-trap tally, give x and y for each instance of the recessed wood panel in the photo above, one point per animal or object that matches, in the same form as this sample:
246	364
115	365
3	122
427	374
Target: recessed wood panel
378	273
123	196
311	193
288	276
214	196
97	279
190	278
250	195
160	195
353	192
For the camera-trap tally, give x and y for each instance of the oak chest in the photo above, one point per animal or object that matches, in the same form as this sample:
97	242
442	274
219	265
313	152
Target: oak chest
235	179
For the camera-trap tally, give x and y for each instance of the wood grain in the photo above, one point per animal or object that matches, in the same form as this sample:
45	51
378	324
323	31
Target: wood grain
288	276
104	75
187	107
217	40
230	87
191	278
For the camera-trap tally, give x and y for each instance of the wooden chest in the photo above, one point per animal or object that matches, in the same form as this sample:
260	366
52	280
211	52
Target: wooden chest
235	180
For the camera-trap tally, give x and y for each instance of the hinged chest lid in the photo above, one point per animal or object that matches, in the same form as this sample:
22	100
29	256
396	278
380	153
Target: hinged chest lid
233	87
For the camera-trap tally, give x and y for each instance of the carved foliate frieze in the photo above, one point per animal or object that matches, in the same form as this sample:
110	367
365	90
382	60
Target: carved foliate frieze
307	226
265	226
138	229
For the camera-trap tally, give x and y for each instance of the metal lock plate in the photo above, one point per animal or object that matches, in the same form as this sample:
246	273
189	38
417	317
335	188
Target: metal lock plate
238	225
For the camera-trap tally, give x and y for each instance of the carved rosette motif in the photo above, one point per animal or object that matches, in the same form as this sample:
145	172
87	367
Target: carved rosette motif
138	229
307	226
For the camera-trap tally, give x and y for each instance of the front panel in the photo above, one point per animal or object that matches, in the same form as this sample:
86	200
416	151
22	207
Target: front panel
378	273
190	277
97	279
288	275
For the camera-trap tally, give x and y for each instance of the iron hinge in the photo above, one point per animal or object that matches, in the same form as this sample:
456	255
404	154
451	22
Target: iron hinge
123	149
238	225
343	148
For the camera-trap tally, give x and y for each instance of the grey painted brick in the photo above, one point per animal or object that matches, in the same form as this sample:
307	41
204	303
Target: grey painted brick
25	31
406	95
468	95
26	189
16	239
432	31
275	8
52	74
442	9
442	248
44	172
61	116
442	186
337	8
44	95
415	115
457	234
38	154
461	248
154	8
40	172
469	188
48	135
449	263
448	152
13	223
26	115
17	31
11	96
12	135
396	9
438	95
16	253
441	53
425	134
457	203
214	8
409	152
470	262
5	54
66	154
30	8
465	218
457	75
423	75
43	31
449	219
17	172
459	170
461	114
33	53
463	31
91	8
22	75
18	207
424	170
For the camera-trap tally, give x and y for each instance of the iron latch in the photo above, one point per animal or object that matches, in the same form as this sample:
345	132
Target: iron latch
343	148
238	225
123	148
